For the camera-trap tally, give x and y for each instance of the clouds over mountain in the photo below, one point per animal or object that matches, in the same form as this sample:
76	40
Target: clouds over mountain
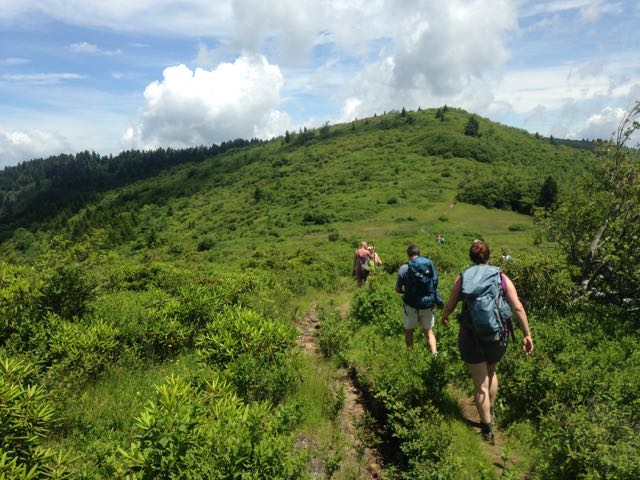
202	107
16	146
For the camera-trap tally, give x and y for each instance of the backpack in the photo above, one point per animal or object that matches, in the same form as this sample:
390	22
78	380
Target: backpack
484	309
421	284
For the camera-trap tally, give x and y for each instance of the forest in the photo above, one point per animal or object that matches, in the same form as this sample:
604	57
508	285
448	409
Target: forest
192	314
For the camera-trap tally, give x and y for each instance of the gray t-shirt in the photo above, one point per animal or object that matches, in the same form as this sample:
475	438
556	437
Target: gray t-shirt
402	276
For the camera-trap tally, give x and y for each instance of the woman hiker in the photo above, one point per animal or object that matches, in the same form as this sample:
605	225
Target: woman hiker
479	352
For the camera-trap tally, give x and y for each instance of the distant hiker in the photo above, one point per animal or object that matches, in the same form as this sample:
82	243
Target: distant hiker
375	261
418	281
440	239
361	268
485	326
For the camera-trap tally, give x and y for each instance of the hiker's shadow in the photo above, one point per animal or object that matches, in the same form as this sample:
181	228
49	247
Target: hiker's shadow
456	409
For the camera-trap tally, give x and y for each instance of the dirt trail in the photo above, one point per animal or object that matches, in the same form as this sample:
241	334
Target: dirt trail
471	417
352	410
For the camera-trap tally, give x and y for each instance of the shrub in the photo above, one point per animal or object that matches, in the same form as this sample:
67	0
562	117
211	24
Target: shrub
543	283
589	443
392	200
79	351
257	352
208	432
315	218
67	291
206	243
378	304
334	333
517	227
26	416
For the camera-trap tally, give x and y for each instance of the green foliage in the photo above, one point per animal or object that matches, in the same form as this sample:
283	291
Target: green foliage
472	128
67	290
501	191
543	283
597	225
209	433
548	193
334	334
257	352
79	351
378	304
26	417
589	443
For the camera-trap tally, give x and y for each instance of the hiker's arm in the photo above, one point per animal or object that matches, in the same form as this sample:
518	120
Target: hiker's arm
452	302
516	305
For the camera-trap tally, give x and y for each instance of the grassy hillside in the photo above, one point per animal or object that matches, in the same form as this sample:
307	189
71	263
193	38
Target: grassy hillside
153	325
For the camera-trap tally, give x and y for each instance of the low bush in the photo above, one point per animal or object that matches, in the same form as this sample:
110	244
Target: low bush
334	333
258	353
208	432
26	417
377	303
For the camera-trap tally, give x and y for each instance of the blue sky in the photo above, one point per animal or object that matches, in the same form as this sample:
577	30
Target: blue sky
110	75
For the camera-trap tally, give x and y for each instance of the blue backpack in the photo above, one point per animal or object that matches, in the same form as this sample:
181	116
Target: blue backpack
421	285
484	309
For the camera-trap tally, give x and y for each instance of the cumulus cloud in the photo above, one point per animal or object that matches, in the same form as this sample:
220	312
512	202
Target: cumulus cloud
90	48
201	107
17	146
603	123
437	52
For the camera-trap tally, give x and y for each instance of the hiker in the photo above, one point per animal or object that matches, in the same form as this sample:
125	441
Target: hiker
361	268
375	261
485	326
418	281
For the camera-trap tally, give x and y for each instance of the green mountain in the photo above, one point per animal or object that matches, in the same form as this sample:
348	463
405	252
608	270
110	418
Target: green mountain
158	311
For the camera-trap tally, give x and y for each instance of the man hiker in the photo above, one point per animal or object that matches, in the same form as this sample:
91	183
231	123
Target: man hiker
418	282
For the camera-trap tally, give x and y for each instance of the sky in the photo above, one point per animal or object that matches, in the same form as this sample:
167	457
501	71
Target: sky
110	75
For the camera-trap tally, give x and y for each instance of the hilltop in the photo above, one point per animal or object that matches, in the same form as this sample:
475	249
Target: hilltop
392	167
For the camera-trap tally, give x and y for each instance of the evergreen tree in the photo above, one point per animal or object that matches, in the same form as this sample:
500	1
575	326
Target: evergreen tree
548	193
472	128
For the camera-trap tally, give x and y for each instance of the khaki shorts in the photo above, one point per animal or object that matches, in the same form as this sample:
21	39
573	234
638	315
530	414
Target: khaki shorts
413	317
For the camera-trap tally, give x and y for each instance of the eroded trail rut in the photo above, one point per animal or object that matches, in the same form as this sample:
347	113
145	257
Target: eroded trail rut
353	409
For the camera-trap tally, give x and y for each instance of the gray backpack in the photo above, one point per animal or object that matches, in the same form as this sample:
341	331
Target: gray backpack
485	311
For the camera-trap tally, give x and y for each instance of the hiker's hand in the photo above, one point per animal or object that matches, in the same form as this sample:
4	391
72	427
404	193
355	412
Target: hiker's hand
527	345
444	321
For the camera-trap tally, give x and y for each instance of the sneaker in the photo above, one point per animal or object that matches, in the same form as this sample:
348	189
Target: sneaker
489	438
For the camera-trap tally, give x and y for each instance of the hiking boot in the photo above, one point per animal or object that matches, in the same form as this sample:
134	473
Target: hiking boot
487	433
489	438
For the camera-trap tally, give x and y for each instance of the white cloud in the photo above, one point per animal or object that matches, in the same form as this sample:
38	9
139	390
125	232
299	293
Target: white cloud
11	61
90	48
17	146
437	53
40	78
602	124
201	107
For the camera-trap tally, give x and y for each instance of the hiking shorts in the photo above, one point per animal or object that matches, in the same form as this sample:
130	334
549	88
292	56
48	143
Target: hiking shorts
473	351
414	317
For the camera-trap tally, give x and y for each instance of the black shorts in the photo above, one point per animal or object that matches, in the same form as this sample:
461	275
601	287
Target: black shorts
474	351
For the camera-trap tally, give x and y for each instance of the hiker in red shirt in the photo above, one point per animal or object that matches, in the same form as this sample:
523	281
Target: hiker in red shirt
361	268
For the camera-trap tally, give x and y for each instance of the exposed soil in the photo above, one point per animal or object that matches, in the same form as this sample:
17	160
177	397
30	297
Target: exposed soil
352	409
